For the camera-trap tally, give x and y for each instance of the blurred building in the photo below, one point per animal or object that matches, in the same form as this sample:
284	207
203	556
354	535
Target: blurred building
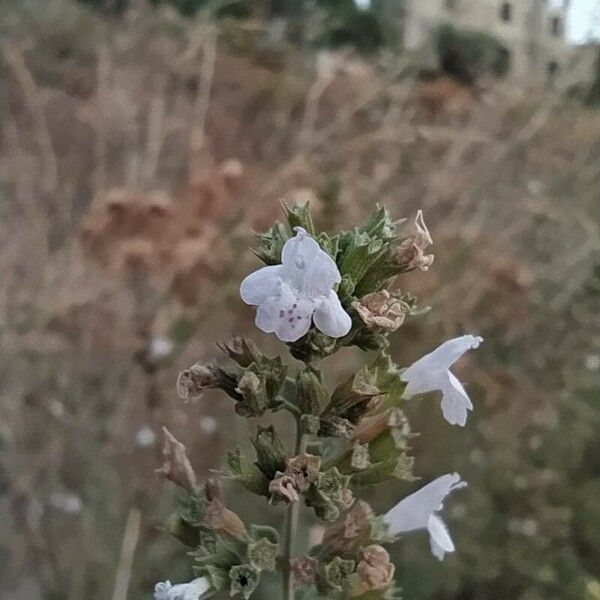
532	33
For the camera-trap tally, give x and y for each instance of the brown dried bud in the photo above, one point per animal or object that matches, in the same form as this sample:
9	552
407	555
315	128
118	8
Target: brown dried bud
347	499
304	470
410	254
192	382
177	467
304	570
220	518
283	487
344	535
382	310
375	571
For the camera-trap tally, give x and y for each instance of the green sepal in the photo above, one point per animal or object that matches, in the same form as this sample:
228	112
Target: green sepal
179	528
298	215
311	424
193	507
311	395
264	531
337	573
241	469
271	456
262	554
217	576
243	580
271	244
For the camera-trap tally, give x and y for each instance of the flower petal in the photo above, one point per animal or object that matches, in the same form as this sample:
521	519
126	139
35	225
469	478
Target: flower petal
261	284
331	318
414	511
183	591
444	356
288	316
455	402
306	267
439	538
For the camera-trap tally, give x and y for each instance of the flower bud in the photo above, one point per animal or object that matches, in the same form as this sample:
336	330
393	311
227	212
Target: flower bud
311	397
270	452
242	350
382	310
177	467
192	382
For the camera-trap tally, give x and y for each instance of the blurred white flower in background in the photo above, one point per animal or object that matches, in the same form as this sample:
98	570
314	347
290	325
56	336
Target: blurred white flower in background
208	424
161	348
145	437
297	292
183	591
431	373
66	502
418	511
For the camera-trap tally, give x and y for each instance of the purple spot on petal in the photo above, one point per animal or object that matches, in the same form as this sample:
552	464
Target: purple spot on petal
281	313
293	327
294	306
291	320
290	311
299	318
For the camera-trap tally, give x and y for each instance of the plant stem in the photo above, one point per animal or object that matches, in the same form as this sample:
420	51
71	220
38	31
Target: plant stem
291	526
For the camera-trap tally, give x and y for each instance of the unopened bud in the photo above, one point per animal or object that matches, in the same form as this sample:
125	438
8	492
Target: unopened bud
242	350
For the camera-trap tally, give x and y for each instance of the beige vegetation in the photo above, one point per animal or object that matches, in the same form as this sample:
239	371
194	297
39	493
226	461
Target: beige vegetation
136	155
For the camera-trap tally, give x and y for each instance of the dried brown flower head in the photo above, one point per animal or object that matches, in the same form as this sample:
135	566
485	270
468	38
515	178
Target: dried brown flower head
374	571
382	310
283	487
304	570
192	382
410	254
304	470
177	467
220	518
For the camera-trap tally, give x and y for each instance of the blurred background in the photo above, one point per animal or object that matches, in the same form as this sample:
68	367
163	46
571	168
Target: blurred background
142	143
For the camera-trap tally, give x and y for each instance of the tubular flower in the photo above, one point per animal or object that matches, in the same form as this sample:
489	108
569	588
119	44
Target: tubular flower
183	591
431	372
418	511
297	292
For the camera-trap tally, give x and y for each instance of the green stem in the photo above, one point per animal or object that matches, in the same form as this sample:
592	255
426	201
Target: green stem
291	527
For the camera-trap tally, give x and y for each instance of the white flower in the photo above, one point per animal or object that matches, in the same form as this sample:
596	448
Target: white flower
431	372
183	591
300	290
418	511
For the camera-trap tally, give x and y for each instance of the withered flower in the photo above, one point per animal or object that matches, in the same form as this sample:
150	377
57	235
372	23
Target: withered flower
343	536
304	570
410	254
374	571
177	467
382	310
283	487
304	470
192	382
220	518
